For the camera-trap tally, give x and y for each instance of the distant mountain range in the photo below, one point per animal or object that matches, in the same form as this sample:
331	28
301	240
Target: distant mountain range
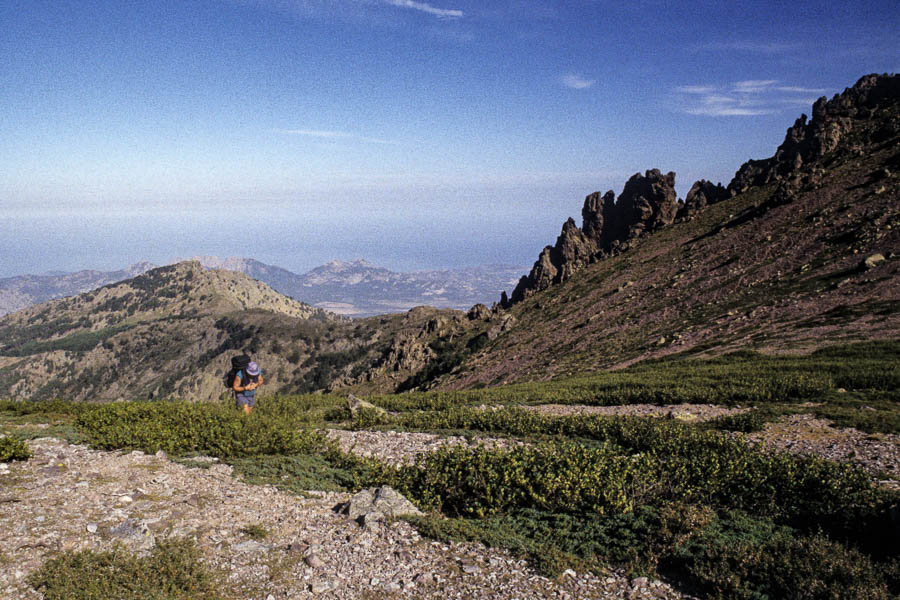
356	288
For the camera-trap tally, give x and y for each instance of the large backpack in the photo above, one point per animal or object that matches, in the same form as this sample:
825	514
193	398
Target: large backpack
238	363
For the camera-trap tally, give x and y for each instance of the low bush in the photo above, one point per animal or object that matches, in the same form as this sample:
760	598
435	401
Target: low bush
366	417
299	473
750	558
669	461
59	407
172	571
562	477
742	378
181	428
875	412
255	531
634	541
12	449
728	555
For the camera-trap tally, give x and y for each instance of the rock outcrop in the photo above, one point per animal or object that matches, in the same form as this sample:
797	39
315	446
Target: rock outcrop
385	501
844	124
647	203
702	194
850	124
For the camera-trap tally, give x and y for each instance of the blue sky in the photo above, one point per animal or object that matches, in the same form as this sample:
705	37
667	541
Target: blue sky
414	134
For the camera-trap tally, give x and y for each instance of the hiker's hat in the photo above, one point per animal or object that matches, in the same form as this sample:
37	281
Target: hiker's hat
253	369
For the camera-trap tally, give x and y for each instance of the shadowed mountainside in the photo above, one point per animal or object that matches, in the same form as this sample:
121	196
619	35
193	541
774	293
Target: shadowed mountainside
801	251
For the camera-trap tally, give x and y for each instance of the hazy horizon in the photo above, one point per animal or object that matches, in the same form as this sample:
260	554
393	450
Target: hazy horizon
418	135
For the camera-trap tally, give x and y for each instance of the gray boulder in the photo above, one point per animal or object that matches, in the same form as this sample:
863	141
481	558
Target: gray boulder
356	404
366	505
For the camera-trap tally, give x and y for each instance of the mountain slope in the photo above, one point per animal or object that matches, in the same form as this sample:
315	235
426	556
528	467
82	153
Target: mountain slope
356	288
163	332
803	254
22	291
172	331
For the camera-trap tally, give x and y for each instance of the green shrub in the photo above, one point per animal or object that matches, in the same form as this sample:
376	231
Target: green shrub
562	477
744	378
632	541
56	406
172	571
748	422
369	417
683	463
749	558
180	428
255	531
298	473
12	449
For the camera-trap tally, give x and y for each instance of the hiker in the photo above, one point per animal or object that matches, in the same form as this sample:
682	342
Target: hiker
245	383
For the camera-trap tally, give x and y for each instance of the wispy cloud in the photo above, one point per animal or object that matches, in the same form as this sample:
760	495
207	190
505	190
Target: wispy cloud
328	134
696	89
371	12
747	98
577	82
800	90
753	86
444	13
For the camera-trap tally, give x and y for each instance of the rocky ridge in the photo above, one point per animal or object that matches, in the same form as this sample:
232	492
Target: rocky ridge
799	262
844	126
647	203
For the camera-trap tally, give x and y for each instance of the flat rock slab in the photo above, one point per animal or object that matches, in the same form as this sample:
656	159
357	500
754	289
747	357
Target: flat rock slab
384	501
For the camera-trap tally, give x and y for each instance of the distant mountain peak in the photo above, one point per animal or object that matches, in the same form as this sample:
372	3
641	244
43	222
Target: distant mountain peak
339	265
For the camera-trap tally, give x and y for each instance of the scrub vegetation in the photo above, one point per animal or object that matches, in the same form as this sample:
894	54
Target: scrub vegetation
691	502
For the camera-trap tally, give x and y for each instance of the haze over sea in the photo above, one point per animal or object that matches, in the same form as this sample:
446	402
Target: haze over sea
415	134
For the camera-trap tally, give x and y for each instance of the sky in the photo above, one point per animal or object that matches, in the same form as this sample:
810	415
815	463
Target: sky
417	135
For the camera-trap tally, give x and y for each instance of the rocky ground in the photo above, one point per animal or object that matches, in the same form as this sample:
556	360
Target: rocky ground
397	448
685	412
69	497
878	454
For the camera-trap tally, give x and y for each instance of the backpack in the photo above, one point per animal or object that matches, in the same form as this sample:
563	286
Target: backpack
237	363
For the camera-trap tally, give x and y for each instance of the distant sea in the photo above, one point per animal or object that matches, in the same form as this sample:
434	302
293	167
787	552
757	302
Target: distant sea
44	245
